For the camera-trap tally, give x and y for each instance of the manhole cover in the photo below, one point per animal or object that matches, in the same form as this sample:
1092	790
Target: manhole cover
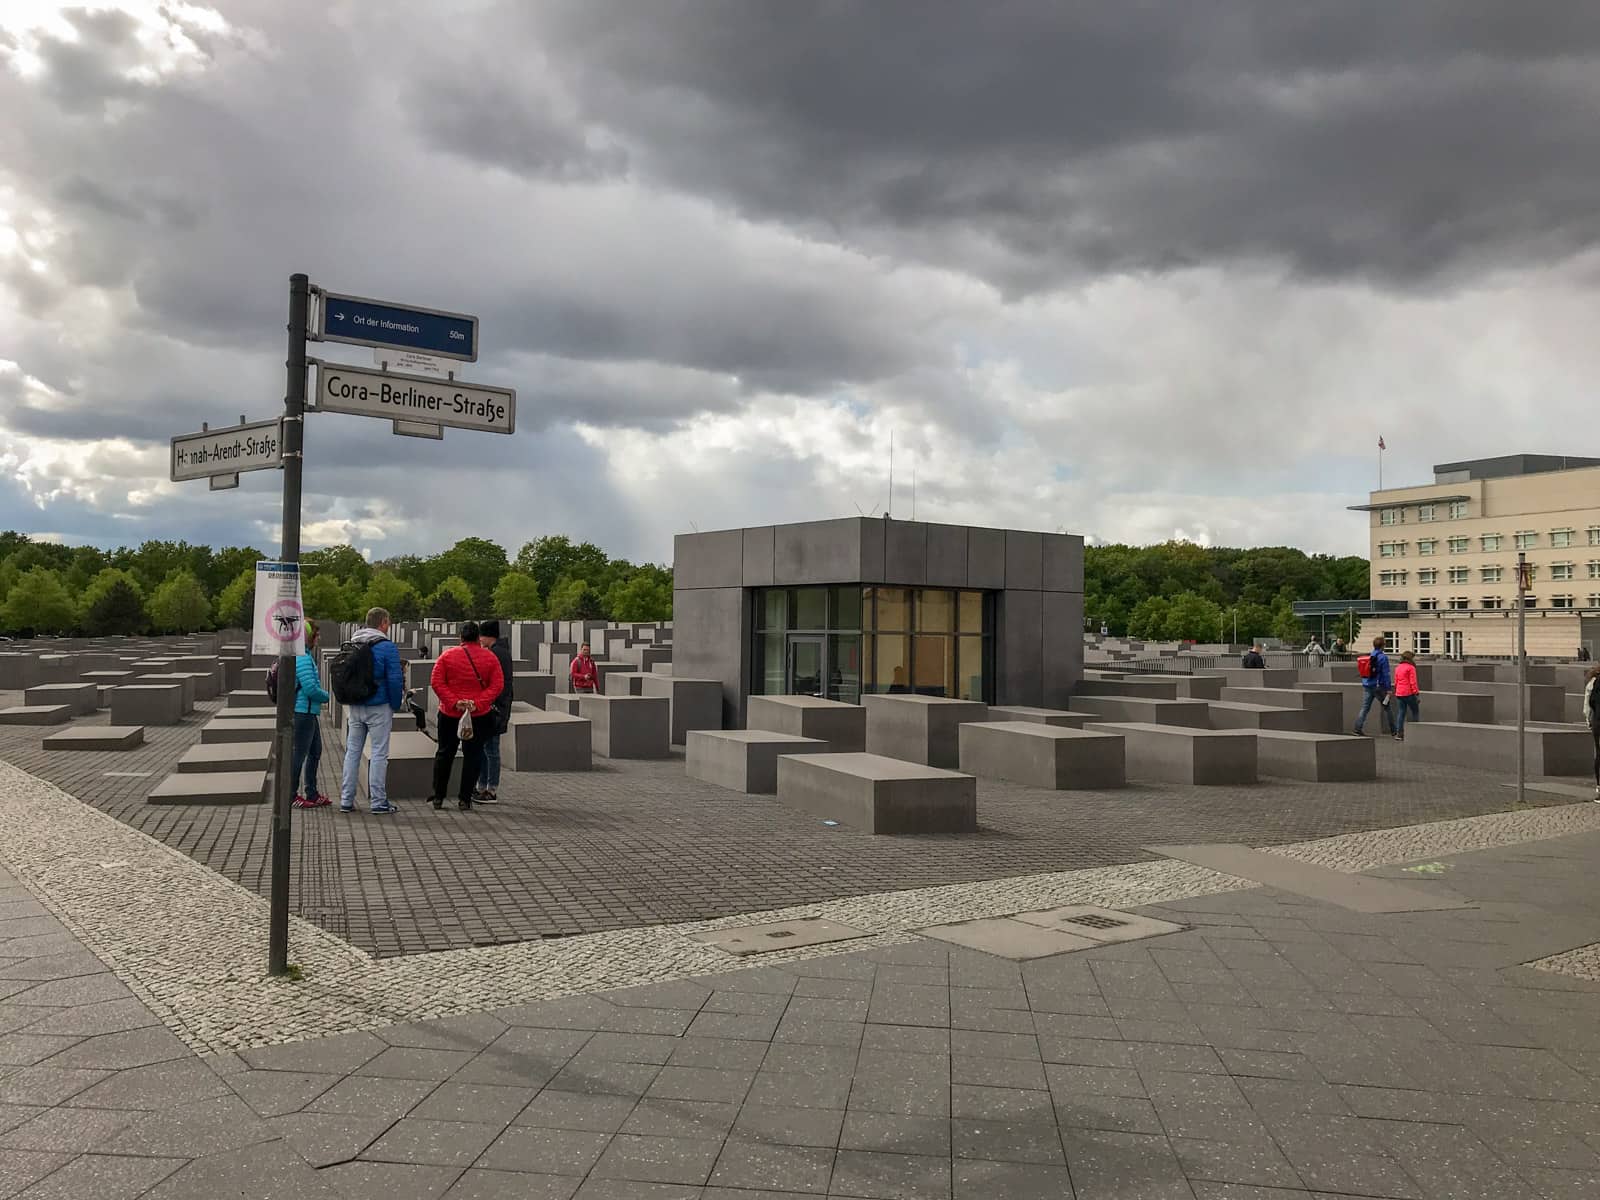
1007	938
778	935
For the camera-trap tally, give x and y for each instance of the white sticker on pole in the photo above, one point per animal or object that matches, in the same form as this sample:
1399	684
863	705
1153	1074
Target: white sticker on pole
280	618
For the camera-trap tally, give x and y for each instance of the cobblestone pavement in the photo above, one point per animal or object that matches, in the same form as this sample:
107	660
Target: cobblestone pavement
638	844
1275	1048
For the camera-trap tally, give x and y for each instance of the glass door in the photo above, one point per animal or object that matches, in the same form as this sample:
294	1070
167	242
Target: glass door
805	665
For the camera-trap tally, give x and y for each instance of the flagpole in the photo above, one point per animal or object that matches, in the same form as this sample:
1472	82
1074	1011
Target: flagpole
1380	462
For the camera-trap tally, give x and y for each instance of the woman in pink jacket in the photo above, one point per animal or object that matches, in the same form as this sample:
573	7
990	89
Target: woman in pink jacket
1406	692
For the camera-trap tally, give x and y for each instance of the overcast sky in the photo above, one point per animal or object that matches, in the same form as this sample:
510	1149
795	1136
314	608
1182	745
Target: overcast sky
1130	270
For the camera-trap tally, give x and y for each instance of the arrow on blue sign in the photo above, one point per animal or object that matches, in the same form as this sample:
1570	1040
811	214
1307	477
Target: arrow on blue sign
363	322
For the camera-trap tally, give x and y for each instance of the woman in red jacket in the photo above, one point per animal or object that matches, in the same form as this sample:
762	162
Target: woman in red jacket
467	678
1406	692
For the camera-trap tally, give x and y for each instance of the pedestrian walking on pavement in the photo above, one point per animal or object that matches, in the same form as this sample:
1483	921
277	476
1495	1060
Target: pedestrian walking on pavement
1407	694
1377	682
488	791
1591	717
467	679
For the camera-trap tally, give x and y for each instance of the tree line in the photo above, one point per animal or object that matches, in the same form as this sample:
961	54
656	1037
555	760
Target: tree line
1178	591
176	587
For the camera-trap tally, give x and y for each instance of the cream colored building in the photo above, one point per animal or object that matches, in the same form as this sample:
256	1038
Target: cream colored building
1449	549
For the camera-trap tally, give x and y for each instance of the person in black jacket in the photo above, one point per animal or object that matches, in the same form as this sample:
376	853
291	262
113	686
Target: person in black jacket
499	716
1252	658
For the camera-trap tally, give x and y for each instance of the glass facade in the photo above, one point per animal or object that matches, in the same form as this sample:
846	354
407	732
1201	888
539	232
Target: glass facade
845	640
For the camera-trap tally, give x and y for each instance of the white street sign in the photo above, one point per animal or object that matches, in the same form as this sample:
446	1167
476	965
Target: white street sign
411	363
221	483
254	447
387	394
279	627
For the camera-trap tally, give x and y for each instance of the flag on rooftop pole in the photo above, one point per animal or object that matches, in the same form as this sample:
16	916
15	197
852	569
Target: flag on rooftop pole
1381	446
1381	449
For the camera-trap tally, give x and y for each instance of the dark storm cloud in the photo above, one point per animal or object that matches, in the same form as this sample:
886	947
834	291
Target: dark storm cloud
1035	142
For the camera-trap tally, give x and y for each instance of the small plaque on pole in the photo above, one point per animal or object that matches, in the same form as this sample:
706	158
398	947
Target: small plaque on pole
420	429
221	483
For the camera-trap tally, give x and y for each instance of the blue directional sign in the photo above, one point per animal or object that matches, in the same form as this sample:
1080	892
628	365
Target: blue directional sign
363	322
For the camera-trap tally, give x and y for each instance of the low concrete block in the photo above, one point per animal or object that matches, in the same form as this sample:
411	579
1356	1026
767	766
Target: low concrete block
1190	713
1043	756
184	682
259	729
696	703
216	788
1547	702
147	704
1469	708
1179	754
1037	716
1233	714
227	757
266	711
1550	749
249	698
82	698
623	683
564	702
1324	712
532	686
1319	757
745	760
96	737
1274	677
920	729
547	741
842	726
106	678
879	795
19	671
409	775
253	679
628	726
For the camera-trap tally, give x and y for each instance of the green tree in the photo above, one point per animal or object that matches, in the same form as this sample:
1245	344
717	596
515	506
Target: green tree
393	594
1190	617
179	605
1255	621
327	599
343	563
549	559
227	565
236	605
39	601
155	562
477	562
517	596
573	600
113	604
451	600
642	598
1149	618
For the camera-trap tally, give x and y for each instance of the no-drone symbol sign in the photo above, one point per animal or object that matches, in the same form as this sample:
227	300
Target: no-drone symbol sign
280	618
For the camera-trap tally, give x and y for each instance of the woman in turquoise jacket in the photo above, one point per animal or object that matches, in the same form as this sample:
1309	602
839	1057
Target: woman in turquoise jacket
308	701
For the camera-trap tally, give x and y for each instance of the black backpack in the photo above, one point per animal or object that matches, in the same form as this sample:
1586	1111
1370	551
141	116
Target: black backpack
351	674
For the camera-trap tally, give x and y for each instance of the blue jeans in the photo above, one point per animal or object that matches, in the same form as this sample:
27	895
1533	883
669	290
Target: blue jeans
489	777
1368	697
307	750
363	721
1404	705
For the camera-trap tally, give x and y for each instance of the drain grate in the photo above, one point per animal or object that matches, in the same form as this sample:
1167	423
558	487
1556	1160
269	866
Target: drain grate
778	935
1096	921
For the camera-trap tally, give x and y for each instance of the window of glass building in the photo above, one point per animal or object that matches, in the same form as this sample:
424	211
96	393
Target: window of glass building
843	640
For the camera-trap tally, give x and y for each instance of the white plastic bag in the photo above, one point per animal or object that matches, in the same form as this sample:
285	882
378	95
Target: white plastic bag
465	728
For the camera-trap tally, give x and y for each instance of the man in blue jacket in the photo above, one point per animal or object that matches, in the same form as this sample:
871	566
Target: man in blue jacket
375	718
1378	685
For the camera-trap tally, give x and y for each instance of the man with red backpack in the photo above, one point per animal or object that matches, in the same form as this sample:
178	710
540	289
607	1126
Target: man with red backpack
1377	683
467	679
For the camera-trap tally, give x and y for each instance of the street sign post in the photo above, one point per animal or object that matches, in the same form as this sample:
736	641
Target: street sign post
362	322
221	452
369	393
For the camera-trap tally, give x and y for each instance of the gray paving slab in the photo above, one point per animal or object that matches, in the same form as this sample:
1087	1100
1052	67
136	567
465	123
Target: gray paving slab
1357	892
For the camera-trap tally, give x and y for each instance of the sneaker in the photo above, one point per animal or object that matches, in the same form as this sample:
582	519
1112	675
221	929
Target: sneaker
464	804
347	808
319	801
384	810
486	796
1597	795
300	801
436	801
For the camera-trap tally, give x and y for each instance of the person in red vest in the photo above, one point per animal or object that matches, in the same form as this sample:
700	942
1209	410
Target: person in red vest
583	674
467	679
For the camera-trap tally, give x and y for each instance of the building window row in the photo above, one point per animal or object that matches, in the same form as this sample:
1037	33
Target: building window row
1456	510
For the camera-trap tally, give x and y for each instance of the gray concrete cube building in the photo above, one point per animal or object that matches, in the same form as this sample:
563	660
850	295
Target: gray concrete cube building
861	606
